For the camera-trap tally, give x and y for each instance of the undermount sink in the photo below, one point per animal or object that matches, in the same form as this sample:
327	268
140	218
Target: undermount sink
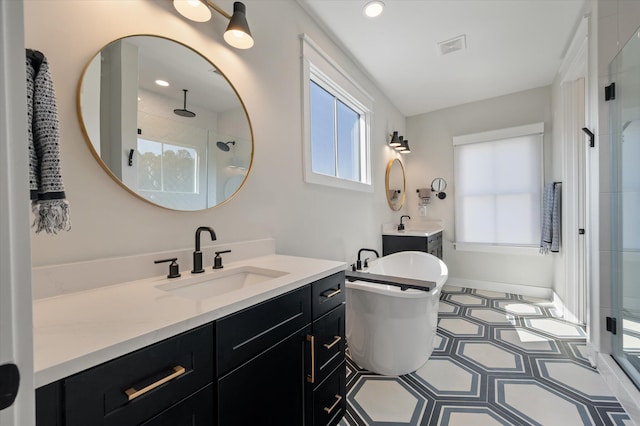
424	229
220	282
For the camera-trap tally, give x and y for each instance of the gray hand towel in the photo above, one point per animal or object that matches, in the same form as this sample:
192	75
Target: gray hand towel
550	238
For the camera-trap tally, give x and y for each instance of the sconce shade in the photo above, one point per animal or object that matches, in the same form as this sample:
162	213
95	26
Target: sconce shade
238	34
400	146
406	149
395	140
194	10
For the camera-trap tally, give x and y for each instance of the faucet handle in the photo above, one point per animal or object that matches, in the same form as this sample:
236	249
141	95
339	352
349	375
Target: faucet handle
366	263
174	268
217	261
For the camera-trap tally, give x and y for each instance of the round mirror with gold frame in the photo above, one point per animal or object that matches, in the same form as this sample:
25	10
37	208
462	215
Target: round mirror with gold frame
395	184
165	123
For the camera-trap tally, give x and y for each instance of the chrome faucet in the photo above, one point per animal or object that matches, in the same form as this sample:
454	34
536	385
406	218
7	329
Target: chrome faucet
359	262
401	226
197	255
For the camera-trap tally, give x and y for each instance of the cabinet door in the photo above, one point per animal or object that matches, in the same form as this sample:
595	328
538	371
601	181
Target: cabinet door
268	389
49	405
393	244
196	410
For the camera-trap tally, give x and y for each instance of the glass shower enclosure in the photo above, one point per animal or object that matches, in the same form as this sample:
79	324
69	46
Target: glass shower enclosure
625	207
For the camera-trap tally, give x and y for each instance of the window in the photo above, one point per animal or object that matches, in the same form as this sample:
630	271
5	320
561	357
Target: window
166	167
498	179
336	124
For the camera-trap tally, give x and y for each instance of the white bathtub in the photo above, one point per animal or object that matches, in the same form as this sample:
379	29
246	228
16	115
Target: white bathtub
390	331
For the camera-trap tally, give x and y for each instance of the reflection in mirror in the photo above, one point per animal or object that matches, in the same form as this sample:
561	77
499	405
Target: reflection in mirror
165	123
395	184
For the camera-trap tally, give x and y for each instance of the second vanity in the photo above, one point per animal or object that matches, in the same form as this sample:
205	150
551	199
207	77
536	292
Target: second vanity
426	237
147	352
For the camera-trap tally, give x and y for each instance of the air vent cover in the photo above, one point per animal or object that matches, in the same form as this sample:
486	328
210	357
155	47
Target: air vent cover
452	45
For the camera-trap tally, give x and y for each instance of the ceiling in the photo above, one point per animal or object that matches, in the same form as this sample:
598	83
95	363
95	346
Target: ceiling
511	45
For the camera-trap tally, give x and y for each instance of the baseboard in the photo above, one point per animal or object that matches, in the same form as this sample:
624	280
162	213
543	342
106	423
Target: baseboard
525	290
620	385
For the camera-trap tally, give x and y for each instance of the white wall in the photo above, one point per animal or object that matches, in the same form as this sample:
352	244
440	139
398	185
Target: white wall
431	135
275	202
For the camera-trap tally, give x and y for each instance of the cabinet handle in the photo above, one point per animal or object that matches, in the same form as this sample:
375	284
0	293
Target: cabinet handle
335	404
333	293
311	378
133	393
332	344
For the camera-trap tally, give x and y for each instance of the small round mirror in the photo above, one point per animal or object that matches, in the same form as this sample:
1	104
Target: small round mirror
438	185
395	184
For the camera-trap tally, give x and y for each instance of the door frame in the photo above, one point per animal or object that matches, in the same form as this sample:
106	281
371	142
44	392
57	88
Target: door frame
574	78
16	323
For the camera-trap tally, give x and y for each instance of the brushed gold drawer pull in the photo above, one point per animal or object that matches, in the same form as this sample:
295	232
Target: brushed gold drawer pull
332	344
333	293
133	393
311	378
335	404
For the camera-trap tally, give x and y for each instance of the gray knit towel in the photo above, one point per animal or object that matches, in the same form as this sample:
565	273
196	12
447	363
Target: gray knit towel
48	203
550	238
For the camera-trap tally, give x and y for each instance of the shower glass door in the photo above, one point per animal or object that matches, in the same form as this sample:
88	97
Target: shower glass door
625	206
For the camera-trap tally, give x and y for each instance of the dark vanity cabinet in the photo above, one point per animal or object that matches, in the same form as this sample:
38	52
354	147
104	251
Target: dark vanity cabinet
395	243
281	362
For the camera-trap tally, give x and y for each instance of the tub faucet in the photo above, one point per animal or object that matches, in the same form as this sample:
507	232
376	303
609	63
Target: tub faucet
359	262
401	226
197	254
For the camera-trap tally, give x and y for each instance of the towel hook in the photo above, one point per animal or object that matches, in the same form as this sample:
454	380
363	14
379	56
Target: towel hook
592	137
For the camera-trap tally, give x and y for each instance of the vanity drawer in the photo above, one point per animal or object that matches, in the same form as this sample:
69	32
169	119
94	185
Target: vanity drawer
326	294
329	400
137	386
242	335
434	240
328	342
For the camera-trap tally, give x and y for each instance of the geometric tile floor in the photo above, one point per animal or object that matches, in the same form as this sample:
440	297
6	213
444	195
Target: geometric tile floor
499	359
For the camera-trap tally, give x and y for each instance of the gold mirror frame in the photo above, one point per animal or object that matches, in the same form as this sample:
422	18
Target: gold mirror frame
243	166
396	191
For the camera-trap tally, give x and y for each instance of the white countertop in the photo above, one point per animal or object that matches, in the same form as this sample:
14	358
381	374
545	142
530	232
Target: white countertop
76	331
420	229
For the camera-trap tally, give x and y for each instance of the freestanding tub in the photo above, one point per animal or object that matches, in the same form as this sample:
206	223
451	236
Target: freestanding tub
390	331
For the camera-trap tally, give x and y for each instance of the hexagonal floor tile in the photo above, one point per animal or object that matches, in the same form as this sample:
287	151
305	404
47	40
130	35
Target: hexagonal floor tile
550	407
518	308
579	351
467	300
386	399
440	343
491	357
460	327
452	289
464	416
526	340
561	329
447	308
583	380
491	294
445	377
490	316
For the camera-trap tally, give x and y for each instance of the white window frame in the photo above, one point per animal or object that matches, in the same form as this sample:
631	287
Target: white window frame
320	68
495	135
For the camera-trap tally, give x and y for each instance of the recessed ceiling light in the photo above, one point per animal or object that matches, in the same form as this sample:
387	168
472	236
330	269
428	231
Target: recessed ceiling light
373	8
162	83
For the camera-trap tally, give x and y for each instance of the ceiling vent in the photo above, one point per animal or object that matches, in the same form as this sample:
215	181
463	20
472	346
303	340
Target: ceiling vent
452	45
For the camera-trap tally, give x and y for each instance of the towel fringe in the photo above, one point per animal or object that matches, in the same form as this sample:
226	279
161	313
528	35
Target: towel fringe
51	216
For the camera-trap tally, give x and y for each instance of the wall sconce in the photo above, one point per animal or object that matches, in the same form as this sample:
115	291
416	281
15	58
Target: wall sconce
395	140
237	34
